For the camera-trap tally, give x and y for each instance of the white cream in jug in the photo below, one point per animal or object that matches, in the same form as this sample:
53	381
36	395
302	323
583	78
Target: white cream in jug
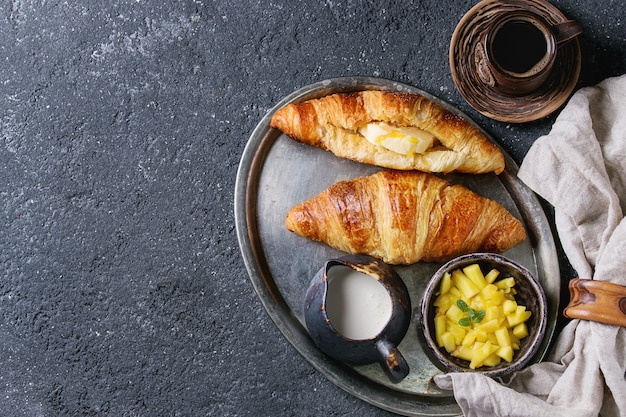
357	305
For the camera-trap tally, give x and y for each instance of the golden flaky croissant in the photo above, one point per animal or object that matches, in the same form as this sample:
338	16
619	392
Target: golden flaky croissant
403	217
366	126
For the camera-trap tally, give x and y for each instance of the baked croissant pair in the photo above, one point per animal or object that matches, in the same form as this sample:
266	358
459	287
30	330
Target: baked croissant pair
403	215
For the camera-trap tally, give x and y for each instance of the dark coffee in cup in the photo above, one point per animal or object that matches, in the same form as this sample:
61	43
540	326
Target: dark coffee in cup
518	50
519	46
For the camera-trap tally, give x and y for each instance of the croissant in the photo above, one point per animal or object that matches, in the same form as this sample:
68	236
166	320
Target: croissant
403	217
336	123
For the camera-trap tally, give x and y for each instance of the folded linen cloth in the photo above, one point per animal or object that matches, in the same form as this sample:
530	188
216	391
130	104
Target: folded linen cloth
580	168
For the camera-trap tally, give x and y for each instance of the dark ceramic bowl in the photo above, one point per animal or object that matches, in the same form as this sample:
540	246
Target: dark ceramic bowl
529	293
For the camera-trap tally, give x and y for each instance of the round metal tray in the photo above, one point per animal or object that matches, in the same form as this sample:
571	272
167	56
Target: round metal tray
275	173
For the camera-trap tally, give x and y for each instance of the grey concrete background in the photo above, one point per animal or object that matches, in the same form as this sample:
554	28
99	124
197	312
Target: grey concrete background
122	288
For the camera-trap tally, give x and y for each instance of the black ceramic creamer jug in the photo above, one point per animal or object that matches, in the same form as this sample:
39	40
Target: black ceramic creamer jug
357	311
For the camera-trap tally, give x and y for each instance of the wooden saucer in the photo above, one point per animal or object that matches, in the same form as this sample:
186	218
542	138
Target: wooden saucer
494	104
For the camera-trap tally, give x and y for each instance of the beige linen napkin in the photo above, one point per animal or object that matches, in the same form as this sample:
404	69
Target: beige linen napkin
580	168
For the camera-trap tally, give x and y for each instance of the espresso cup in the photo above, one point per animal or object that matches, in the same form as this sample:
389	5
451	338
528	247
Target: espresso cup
518	51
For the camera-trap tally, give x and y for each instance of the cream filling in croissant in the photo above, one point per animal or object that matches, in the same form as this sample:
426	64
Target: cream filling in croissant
404	140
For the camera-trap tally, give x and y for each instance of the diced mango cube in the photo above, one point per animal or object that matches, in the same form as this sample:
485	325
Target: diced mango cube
448	342
506	353
480	352
458	331
464	284
470	338
492	276
519	316
492	360
440	329
463	352
454	313
509	307
477	303
455	292
489	291
505	283
489	326
446	283
494	313
521	330
514	340
492	293
474	273
481	336
444	302
502	336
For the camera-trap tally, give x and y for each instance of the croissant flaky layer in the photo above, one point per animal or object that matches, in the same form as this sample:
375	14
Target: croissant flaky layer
333	122
403	217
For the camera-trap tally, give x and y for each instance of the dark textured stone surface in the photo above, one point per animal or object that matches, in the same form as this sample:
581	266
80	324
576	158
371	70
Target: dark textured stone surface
122	289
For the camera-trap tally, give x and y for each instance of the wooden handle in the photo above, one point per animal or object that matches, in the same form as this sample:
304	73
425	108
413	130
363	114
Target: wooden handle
597	301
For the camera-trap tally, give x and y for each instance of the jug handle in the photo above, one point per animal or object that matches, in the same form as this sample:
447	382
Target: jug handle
393	363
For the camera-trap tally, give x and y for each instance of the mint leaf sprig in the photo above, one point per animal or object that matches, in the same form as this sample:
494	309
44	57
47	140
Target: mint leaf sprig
475	316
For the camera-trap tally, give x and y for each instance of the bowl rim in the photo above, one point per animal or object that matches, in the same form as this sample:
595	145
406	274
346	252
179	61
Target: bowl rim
440	356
